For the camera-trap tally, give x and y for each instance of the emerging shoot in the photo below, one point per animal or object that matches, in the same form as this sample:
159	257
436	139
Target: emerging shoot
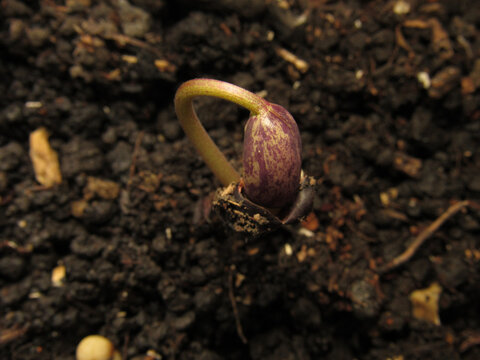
272	181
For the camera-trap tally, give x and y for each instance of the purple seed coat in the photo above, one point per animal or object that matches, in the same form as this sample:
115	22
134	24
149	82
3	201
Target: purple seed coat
272	158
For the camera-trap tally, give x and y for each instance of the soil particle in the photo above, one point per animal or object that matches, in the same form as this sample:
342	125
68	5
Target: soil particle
98	212
339	175
160	244
170	129
12	113
13	293
208	355
183	322
276	344
451	271
37	36
390	322
364	299
78	156
147	270
89	246
135	21
306	313
205	299
444	81
83	292
473	183
420	270
245	7
83	118
3	181
12	267
13	8
11	156
152	333
120	157
433	182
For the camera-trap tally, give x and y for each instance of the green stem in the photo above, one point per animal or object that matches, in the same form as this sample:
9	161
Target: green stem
195	131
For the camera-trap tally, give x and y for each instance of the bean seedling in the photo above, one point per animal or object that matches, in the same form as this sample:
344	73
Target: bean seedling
272	189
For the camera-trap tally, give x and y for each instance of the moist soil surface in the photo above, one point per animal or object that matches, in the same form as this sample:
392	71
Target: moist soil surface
386	97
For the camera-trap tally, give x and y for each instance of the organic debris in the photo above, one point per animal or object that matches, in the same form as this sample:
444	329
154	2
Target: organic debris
44	159
425	303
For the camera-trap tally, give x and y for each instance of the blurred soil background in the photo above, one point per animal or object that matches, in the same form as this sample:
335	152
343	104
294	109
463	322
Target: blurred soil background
113	235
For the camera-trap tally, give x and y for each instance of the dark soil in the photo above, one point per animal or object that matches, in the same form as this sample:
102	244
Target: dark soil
389	115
